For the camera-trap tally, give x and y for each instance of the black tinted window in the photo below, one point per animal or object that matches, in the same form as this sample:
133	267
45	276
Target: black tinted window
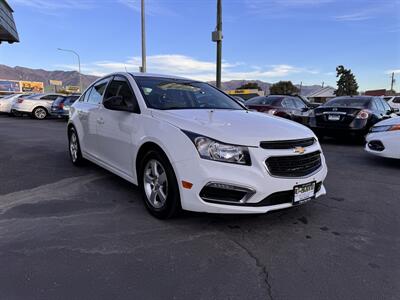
349	102
396	100
96	93
121	87
50	97
270	100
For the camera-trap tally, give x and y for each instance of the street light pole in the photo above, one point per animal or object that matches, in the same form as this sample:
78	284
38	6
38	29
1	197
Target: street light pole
144	67
217	37
79	66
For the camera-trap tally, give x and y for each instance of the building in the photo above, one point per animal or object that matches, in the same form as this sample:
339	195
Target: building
322	95
8	30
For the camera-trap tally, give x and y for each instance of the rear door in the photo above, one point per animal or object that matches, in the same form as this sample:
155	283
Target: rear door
116	129
87	111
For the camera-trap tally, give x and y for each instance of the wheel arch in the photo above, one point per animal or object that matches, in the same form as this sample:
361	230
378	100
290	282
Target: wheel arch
145	148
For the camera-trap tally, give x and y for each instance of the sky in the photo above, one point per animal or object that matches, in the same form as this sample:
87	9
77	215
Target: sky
270	40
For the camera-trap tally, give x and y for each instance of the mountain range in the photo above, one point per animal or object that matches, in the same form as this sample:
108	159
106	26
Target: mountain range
72	78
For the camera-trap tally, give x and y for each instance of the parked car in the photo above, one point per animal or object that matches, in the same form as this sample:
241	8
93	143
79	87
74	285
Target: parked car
349	115
7	102
188	145
38	106
384	139
289	107
393	101
61	106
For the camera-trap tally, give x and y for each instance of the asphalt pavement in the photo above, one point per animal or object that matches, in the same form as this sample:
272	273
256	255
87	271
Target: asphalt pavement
83	233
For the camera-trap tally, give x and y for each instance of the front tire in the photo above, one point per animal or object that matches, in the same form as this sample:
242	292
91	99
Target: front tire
159	186
40	113
74	148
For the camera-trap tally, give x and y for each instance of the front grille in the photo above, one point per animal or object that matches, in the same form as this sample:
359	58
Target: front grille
289	144
294	165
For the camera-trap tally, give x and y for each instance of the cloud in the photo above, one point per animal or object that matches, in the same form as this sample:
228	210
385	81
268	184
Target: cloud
152	7
186	66
55	5
369	12
396	71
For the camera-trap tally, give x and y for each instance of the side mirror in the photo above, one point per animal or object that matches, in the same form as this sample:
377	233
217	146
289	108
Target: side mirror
395	110
304	109
117	103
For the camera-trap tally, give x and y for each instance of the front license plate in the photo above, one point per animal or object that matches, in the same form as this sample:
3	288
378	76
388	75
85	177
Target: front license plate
304	192
333	117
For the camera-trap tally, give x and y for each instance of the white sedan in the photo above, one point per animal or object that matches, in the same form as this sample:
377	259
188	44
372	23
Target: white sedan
384	139
189	146
7	103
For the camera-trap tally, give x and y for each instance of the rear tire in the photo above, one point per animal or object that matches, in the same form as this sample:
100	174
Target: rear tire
74	148
39	113
159	186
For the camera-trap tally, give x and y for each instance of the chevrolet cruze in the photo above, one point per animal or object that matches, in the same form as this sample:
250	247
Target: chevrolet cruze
189	146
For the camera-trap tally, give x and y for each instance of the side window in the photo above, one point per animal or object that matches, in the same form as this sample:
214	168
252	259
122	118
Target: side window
299	104
396	100
97	92
374	105
386	106
121	87
50	97
289	103
380	105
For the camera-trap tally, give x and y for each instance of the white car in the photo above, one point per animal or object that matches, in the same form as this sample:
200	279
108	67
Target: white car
7	102
188	145
384	139
393	101
37	105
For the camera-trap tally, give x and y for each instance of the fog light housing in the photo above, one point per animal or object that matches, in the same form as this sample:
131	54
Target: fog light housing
215	192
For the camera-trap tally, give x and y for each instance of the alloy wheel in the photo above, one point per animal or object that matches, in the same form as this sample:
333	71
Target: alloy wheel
73	147
155	183
40	113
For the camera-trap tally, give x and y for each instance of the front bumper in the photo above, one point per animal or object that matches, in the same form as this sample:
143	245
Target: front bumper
390	142
256	178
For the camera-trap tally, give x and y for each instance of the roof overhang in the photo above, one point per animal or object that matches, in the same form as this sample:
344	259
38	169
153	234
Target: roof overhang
8	30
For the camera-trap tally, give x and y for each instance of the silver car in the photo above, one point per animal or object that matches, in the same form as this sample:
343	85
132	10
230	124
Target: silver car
38	105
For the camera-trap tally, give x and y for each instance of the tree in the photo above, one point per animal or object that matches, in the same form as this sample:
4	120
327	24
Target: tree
347	84
250	85
283	88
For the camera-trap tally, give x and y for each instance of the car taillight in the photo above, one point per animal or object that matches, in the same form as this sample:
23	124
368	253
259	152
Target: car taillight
363	115
61	106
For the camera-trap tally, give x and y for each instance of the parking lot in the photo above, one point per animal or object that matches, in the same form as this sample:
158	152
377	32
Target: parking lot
83	233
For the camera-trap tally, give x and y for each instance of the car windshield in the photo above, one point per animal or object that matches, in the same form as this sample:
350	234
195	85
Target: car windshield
167	93
271	100
348	102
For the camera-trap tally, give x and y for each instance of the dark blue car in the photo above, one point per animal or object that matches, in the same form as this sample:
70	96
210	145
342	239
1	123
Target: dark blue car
61	105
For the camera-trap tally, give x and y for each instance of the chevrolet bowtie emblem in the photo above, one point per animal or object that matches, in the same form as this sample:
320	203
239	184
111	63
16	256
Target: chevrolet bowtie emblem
299	150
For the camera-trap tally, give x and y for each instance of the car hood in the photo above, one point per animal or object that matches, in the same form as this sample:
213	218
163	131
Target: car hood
388	122
234	126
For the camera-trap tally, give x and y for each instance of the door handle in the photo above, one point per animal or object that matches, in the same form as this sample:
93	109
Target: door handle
100	121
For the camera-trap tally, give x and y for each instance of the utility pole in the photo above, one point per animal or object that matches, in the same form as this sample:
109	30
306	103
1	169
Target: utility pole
392	82
79	66
217	37
323	83
301	86
143	68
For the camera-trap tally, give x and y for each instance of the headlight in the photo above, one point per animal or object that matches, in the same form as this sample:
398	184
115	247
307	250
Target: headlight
214	150
385	128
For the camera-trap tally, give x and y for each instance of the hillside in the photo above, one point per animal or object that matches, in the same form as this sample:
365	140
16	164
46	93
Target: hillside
72	78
